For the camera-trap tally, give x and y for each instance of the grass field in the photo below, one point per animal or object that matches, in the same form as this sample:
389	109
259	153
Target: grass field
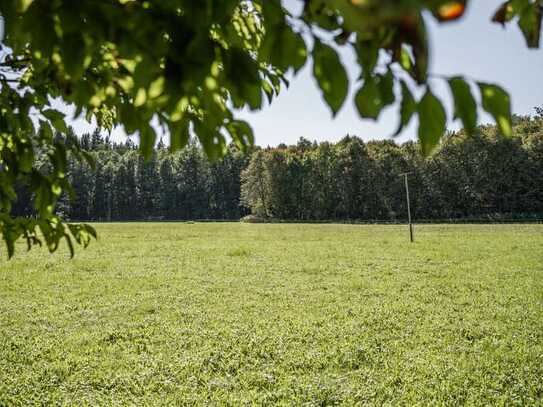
184	314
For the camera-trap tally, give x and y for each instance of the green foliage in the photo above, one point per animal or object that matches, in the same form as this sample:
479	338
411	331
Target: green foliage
465	107
408	108
368	100
330	75
432	121
243	314
241	134
528	13
496	102
190	65
282	47
376	93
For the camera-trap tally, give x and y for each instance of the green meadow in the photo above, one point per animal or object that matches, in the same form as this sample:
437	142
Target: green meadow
277	314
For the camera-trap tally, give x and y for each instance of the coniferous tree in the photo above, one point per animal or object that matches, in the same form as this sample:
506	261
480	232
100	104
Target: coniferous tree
168	189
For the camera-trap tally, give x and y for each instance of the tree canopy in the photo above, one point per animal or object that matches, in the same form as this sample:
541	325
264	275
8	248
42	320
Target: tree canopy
188	66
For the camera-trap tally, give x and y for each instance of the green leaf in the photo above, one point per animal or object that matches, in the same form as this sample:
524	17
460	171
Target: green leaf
418	40
246	81
70	245
60	126
179	134
130	118
501	15
408	107
268	90
253	95
283	48
323	16
147	141
57	119
386	88
496	102
368	54
297	49
509	9
405	60
156	88
82	233
73	55
330	75
26	158
8	233
45	131
376	93
43	201
58	158
432	122
212	141
465	107
90	230
530	24
22	5
10	245
368	100
241	133
140	98
273	12
53	115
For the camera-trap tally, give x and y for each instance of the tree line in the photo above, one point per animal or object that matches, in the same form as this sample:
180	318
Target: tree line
124	186
480	176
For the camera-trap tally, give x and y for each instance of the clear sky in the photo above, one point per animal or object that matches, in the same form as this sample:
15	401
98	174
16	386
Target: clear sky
473	46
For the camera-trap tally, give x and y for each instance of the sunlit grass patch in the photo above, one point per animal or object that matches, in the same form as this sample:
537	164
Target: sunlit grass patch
192	314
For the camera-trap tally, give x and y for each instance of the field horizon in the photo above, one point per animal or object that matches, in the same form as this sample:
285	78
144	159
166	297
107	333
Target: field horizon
314	314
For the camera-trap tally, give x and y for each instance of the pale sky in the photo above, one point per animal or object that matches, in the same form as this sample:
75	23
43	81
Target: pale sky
474	47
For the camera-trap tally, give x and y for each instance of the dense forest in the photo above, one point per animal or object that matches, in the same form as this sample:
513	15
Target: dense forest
123	186
483	176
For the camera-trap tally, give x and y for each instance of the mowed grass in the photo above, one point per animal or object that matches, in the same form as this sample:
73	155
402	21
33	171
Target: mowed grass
187	314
